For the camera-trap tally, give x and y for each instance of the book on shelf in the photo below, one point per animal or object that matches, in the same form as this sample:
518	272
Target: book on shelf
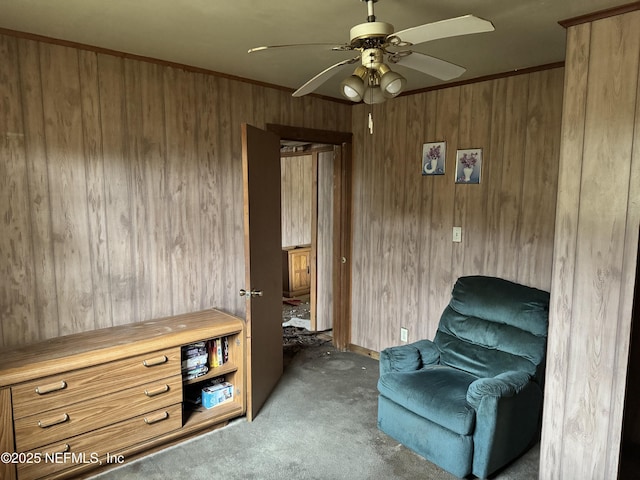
218	349
195	372
199	357
195	360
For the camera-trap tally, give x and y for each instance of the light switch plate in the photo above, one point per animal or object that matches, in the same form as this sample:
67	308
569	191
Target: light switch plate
457	234
404	335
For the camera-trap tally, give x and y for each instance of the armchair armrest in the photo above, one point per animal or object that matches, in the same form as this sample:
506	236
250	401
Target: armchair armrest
409	358
506	384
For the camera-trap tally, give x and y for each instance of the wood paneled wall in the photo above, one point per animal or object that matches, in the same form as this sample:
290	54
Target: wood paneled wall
120	187
297	194
595	251
405	262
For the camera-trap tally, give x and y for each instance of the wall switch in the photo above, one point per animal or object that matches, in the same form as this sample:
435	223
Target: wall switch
457	234
404	335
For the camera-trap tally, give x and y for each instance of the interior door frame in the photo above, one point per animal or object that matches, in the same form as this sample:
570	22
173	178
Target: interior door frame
342	205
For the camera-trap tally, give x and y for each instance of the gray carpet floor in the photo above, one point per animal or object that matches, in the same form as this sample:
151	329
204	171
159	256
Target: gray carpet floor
319	424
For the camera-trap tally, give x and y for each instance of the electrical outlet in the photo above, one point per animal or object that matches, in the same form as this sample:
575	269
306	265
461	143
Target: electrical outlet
404	335
457	234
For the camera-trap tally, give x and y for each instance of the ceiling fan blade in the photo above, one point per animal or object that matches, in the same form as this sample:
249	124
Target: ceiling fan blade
332	45
430	65
323	76
465	25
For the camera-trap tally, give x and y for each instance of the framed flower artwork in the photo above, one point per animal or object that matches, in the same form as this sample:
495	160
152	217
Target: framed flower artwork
433	158
468	165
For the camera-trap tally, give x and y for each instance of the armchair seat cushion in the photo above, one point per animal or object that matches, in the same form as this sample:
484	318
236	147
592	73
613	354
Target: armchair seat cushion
437	393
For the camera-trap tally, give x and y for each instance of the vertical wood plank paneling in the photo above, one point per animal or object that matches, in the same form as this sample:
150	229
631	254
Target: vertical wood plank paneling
67	177
211	182
117	188
44	323
540	178
97	222
241	111
229	263
412	182
595	257
394	217
183	189
296	192
16	267
367	237
362	190
427	114
147	148
470	200
128	217
273	111
441	220
45	316
493	176
615	47
324	268
625	377
512	139
564	258
495	116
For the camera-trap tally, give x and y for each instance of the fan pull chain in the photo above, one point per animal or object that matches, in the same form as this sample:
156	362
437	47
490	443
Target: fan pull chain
370	123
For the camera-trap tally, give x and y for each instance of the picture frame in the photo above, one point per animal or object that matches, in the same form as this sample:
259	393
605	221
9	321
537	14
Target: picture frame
469	165
434	158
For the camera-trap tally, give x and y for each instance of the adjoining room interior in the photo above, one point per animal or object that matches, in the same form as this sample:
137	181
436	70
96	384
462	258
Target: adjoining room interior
307	234
130	135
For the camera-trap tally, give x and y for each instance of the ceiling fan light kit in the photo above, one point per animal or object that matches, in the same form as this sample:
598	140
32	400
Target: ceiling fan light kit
373	81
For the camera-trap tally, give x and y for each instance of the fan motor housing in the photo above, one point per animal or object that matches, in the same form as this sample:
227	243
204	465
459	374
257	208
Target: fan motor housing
370	34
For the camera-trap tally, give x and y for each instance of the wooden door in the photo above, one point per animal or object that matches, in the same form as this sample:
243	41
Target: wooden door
263	264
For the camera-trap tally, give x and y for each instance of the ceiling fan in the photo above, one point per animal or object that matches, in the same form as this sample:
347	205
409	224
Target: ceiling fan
373	81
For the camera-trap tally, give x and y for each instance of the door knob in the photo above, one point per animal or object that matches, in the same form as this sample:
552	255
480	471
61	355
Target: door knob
252	293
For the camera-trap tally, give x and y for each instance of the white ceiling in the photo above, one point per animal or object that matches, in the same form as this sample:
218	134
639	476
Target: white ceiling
216	34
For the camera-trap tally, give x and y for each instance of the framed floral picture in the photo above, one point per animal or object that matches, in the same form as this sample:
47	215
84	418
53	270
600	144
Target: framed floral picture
468	165
433	158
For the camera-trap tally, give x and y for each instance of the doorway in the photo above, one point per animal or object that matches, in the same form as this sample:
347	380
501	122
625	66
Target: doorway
630	445
336	147
307	234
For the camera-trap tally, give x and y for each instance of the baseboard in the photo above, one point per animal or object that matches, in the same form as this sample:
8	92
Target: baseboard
364	351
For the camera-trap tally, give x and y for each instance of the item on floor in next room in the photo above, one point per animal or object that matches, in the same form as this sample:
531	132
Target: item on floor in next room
470	400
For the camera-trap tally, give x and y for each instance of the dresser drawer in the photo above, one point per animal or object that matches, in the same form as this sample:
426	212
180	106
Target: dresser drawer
56	391
64	422
92	447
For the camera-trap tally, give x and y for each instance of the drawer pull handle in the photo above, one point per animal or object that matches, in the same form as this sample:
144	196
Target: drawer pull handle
152	362
64	448
157	391
52	387
55	421
156	419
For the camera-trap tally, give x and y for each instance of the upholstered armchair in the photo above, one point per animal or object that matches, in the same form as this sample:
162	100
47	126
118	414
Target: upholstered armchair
470	400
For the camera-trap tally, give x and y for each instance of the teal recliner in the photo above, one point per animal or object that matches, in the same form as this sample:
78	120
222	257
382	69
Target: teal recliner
470	400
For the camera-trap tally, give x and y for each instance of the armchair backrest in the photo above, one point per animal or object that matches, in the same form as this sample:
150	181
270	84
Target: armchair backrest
492	325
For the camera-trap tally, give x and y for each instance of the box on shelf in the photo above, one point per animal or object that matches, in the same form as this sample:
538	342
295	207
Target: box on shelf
214	395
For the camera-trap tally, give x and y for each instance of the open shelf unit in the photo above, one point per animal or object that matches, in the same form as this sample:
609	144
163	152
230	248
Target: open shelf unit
230	371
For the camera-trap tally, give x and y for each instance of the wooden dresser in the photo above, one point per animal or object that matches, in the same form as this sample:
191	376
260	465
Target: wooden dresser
75	403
